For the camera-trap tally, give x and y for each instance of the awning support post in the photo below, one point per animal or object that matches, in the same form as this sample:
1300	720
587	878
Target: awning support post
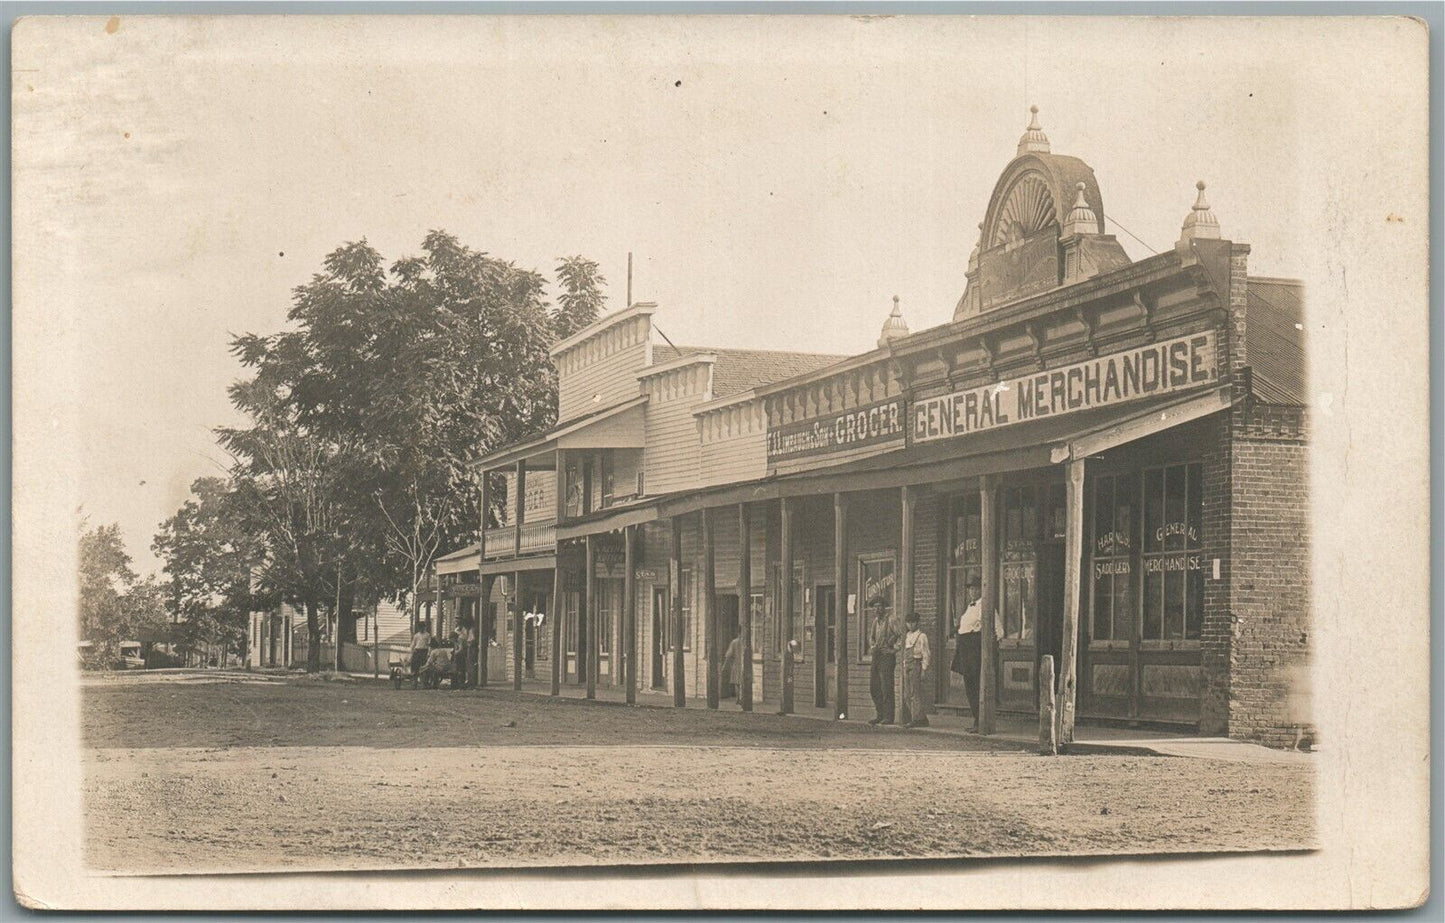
709	613
589	609
988	632
841	615
788	604
629	610
745	608
1073	553
674	579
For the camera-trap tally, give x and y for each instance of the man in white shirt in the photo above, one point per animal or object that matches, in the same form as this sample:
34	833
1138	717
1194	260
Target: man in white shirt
967	653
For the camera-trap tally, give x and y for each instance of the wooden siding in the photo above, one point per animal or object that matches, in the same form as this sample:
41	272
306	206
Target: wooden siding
541	495
602	370
672	458
734	443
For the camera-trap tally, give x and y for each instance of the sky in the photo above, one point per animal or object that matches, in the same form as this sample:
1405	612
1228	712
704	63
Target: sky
777	180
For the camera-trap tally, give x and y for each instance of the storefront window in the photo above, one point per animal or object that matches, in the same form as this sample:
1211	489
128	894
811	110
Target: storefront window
965	555
1115	499
687	587
1173	572
569	622
609	597
1020	562
879	581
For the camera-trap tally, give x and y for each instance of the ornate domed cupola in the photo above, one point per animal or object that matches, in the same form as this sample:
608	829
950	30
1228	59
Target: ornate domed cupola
1200	223
1044	227
895	327
1034	141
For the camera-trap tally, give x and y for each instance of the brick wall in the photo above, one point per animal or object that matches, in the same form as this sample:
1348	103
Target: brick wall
1269	602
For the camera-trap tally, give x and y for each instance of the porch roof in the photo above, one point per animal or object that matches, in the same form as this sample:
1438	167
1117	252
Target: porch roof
620	426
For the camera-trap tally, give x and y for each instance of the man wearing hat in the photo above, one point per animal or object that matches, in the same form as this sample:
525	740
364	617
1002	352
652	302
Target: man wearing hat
883	650
966	654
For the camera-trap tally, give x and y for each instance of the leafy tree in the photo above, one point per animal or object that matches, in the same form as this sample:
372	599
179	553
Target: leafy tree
580	301
210	553
115	605
370	411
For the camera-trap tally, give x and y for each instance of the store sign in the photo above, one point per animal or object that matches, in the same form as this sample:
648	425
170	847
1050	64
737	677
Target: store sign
1148	371
874	424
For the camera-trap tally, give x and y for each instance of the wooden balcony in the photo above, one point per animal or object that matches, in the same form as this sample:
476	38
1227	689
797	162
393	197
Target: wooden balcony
537	538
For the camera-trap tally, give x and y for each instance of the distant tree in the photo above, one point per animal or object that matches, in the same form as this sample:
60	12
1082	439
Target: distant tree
581	300
115	605
210	553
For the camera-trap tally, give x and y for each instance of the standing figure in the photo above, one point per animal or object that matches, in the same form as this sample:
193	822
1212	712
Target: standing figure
915	664
883	649
466	638
966	655
420	645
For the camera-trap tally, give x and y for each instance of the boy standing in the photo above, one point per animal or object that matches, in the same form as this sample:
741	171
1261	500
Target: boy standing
915	665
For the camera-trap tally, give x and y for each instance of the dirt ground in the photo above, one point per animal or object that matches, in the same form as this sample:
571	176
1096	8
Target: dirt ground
193	776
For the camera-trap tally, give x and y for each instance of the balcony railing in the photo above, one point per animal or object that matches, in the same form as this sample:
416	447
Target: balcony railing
537	537
501	542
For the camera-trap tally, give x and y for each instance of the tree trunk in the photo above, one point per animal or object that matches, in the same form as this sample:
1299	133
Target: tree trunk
313	637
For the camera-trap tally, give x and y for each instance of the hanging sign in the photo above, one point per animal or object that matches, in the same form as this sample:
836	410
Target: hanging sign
873	424
1148	371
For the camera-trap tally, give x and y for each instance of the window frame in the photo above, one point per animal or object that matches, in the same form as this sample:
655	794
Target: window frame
865	636
1193	543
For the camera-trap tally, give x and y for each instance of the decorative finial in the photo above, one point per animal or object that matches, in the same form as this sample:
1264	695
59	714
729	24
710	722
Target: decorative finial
1200	223
894	327
1034	141
1081	219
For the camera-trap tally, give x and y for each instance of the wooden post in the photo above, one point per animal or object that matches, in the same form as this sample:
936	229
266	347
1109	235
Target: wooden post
903	602
820	648
558	655
674	586
629	612
788	604
841	579
517	631
1073	554
745	608
484	628
1048	730
709	613
482	511
988	595
521	516
590	608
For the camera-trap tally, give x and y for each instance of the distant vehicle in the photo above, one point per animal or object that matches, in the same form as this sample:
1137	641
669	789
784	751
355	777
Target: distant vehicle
130	656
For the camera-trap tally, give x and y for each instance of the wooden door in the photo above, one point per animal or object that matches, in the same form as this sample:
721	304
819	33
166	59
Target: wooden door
659	637
825	625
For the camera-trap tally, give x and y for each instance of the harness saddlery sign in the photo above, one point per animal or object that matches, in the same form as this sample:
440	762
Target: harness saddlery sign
1147	371
871	425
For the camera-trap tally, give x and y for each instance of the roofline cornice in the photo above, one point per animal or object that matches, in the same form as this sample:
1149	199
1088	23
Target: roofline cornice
605	322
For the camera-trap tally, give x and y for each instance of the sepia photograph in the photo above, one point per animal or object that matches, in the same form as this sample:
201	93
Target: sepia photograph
833	447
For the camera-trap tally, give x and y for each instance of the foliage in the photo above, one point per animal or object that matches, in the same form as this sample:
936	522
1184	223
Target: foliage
367	415
210	550
580	301
115	605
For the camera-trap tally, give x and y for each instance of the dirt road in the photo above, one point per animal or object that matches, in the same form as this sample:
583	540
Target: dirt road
312	775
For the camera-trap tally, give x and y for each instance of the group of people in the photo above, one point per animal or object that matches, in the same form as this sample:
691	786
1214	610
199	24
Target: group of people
887	644
463	640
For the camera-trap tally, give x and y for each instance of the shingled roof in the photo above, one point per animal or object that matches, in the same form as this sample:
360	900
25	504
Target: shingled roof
1274	340
737	370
